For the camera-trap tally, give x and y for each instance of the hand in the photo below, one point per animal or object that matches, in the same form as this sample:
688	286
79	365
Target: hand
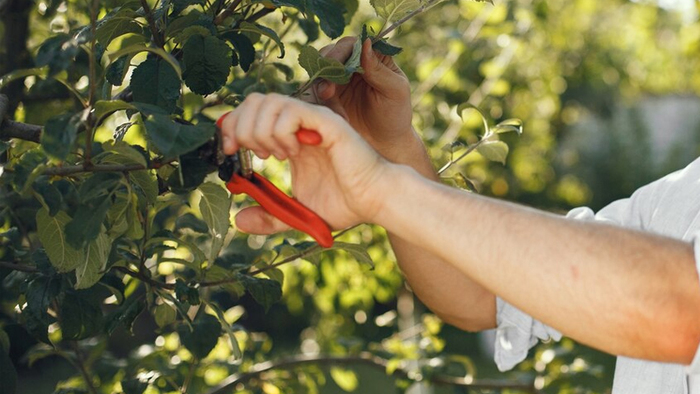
341	179
376	103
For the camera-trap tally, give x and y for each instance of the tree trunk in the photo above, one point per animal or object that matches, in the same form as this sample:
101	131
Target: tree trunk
14	15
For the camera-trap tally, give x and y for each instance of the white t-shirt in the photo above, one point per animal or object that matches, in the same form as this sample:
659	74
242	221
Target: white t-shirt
669	206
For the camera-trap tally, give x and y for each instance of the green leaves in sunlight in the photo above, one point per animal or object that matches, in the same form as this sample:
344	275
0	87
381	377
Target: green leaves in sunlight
392	10
173	139
494	150
52	234
214	206
318	66
345	379
265	291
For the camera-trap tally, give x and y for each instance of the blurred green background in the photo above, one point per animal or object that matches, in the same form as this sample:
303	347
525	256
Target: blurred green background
608	93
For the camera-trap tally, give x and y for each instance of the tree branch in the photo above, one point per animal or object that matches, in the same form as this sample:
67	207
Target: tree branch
18	267
403	20
364	358
144	278
78	169
227	12
157	39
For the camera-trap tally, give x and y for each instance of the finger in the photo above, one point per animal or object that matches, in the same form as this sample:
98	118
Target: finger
265	124
388	80
248	113
256	220
228	125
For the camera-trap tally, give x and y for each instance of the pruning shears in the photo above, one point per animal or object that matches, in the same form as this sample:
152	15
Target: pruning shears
236	170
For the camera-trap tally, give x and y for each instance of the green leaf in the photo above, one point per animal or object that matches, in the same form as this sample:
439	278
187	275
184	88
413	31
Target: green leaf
265	291
8	382
393	10
192	222
204	335
92	267
117	25
214	206
154	82
509	125
358	252
383	47
125	154
190	31
117	70
318	66
40	293
174	139
49	195
330	13
164	314
125	315
344	378
59	135
52	234
494	151
462	111
134	386
190	174
235	349
137	48
207	63
265	31
6	79
353	62
80	315
104	108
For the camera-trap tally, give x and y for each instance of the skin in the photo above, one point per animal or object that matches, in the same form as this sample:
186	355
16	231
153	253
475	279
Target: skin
377	104
576	267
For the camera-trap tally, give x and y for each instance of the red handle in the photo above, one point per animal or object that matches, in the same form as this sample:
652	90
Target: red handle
283	207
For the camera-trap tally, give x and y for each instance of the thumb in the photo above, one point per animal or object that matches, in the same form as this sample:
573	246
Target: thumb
386	78
256	220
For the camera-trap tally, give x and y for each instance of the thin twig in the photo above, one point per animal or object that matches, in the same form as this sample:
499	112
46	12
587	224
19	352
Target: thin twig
18	267
403	20
364	358
79	169
227	12
144	278
80	363
157	39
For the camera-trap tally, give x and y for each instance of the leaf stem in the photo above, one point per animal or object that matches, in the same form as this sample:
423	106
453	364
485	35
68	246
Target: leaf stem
469	150
80	364
403	20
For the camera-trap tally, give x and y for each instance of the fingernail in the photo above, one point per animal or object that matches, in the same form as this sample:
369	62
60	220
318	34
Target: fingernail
323	85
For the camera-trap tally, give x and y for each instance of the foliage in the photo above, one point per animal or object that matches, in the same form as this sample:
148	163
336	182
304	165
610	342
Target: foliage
114	217
116	255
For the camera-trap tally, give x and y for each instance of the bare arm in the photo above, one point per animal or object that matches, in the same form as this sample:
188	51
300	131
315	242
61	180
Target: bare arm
625	292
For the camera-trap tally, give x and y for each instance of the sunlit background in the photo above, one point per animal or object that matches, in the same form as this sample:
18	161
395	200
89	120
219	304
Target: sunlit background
608	93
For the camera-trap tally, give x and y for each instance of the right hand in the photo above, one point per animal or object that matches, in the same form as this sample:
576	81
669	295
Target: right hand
343	180
376	103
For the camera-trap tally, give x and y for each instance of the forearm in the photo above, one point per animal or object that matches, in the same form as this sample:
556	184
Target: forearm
621	291
431	278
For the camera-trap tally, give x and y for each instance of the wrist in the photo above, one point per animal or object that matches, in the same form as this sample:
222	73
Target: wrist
408	150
